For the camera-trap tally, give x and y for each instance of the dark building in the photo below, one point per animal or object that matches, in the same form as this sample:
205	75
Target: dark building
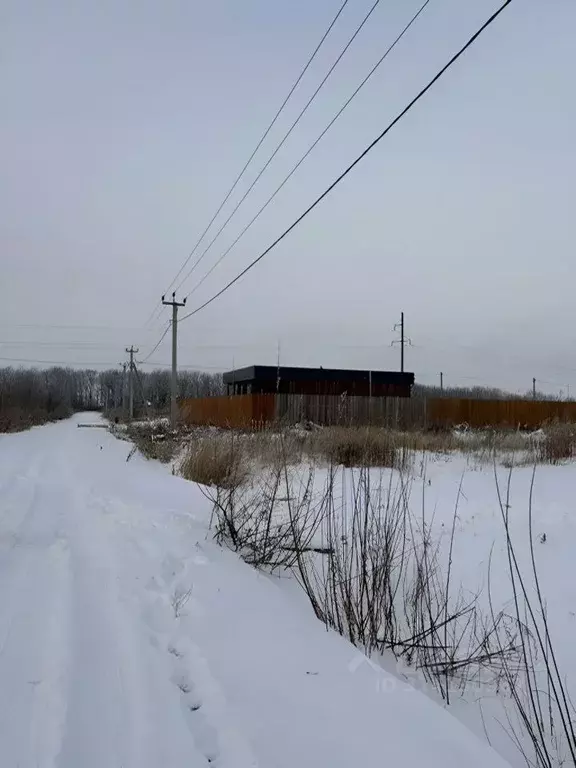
268	379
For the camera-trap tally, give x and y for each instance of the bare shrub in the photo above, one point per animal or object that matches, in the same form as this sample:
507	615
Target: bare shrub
271	525
544	709
368	567
383	585
216	462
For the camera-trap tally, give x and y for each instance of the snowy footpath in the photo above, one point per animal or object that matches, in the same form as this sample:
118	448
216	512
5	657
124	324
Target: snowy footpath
129	640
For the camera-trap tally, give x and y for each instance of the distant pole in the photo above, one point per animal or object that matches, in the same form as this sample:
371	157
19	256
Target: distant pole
131	352
123	392
174	383
278	369
534	389
441	382
402	342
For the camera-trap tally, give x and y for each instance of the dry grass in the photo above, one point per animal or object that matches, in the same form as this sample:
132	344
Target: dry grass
210	454
374	446
216	461
227	458
557	445
153	441
362	447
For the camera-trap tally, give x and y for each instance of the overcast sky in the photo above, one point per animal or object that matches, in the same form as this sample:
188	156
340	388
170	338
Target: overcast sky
123	124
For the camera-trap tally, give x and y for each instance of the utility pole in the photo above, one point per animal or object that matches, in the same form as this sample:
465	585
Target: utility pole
441	382
278	369
534	389
131	352
403	341
123	387
174	384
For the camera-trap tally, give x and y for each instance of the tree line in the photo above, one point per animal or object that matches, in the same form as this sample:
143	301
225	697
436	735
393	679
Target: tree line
30	396
475	393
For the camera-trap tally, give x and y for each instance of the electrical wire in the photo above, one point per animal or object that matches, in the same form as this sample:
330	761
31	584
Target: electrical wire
183	367
60	344
255	150
161	339
70	327
53	362
281	144
312	146
360	157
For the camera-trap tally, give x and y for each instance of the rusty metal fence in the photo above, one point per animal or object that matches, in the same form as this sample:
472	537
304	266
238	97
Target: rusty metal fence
262	411
391	412
235	411
524	414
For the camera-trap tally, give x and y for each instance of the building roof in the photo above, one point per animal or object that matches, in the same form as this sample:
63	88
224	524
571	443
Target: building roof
271	373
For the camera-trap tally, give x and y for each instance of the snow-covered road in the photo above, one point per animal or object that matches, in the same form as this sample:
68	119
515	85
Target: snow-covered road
129	640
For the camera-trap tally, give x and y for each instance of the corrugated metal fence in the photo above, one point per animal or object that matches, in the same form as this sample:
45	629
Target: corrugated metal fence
260	411
392	412
235	411
498	413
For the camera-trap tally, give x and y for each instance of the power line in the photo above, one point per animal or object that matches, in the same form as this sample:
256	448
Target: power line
53	362
60	344
281	144
161	339
256	148
371	146
312	146
70	327
183	367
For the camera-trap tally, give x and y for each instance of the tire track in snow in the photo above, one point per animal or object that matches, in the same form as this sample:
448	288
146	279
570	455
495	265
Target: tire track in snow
78	686
33	611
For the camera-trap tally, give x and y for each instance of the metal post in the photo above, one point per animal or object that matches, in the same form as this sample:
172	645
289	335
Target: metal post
403	341
174	383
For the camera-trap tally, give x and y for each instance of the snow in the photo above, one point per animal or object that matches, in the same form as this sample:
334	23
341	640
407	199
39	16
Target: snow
480	548
128	638
440	483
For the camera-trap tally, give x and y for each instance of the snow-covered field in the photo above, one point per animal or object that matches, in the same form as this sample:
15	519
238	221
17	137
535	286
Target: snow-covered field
465	493
128	639
480	566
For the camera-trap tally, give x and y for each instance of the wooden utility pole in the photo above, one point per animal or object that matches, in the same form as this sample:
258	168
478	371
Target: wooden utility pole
533	389
441	382
174	383
131	352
